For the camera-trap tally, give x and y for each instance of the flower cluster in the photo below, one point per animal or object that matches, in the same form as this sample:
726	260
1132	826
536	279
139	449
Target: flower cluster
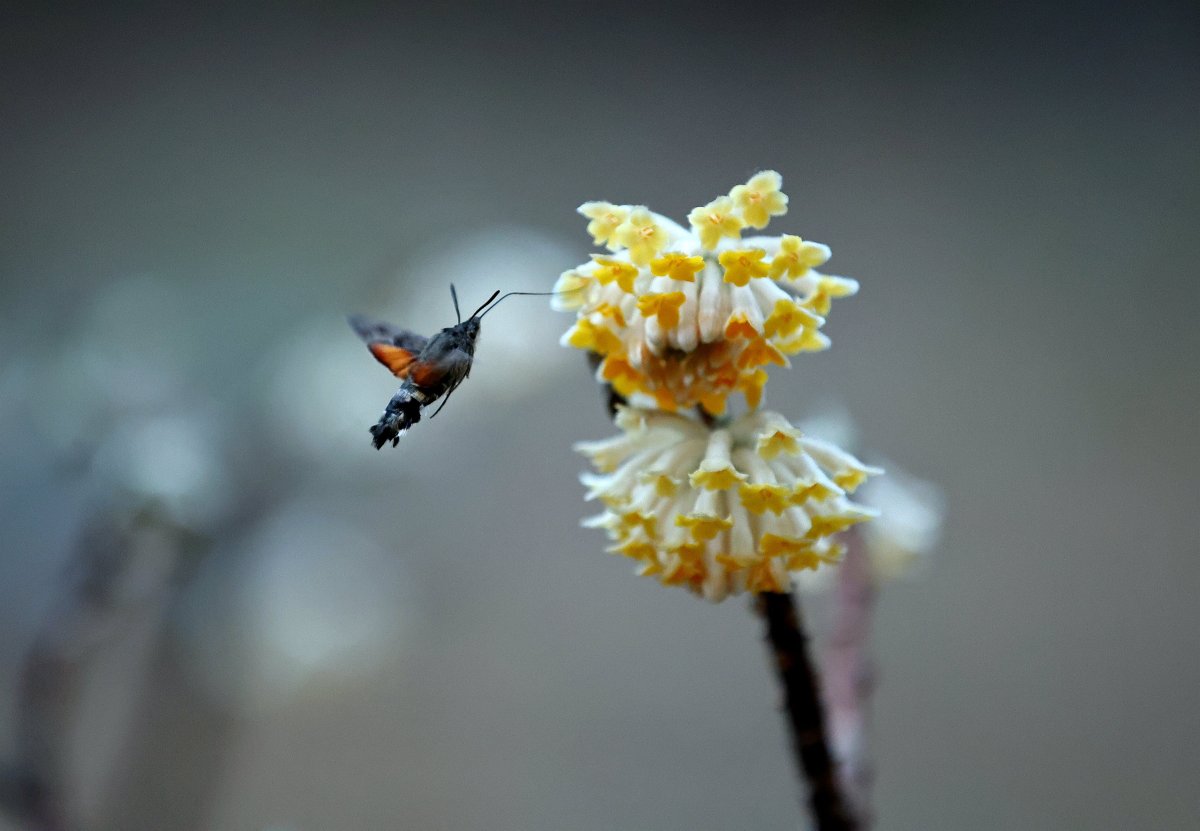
730	509
688	317
680	319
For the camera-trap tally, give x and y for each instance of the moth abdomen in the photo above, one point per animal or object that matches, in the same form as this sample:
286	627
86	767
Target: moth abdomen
403	411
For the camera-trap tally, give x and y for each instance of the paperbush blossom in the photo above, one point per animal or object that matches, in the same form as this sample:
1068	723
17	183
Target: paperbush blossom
680	319
722	509
689	316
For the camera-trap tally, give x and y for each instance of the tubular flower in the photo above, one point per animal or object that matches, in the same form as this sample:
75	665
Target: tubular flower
689	316
761	198
722	510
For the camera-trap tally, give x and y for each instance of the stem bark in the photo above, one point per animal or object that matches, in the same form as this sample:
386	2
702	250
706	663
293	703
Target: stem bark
802	703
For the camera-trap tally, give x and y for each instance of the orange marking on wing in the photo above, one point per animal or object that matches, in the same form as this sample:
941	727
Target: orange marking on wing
426	374
398	360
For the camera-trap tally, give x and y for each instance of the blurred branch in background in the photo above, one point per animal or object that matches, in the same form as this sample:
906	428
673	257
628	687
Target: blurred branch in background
900	540
120	578
850	676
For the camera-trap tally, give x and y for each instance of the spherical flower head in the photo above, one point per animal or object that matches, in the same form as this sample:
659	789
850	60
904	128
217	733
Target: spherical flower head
722	509
687	317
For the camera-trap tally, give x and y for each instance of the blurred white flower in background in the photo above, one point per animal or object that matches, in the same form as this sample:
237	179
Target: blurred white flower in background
516	350
129	355
321	390
302	603
911	510
909	525
113	398
172	461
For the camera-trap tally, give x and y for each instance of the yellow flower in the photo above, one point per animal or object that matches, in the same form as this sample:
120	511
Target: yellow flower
642	235
587	335
663	306
618	372
716	471
778	437
676	266
765	497
787	317
610	311
796	257
807	340
715	220
568	291
740	325
848	472
750	384
760	351
605	218
615	271
743	265
714	509
761	198
703	527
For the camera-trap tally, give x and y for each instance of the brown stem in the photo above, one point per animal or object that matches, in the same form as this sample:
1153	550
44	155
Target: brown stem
802	702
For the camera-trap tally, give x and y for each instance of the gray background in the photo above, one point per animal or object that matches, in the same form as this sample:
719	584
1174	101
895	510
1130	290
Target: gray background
423	637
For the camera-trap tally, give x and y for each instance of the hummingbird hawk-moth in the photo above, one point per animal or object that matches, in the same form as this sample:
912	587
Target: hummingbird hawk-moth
429	367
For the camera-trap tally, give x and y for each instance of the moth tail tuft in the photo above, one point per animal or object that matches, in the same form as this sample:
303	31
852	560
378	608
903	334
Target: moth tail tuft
402	412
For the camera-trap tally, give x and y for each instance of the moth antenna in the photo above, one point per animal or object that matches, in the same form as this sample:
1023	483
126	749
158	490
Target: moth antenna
523	294
454	294
489	300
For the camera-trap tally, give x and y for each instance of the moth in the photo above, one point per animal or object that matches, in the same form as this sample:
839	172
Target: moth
429	367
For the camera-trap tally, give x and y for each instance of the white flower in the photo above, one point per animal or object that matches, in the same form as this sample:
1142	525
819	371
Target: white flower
722	510
910	523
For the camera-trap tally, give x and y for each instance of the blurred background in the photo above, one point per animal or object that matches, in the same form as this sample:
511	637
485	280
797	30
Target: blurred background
220	608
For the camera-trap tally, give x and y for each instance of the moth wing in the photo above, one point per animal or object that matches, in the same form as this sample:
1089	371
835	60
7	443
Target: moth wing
395	348
398	361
